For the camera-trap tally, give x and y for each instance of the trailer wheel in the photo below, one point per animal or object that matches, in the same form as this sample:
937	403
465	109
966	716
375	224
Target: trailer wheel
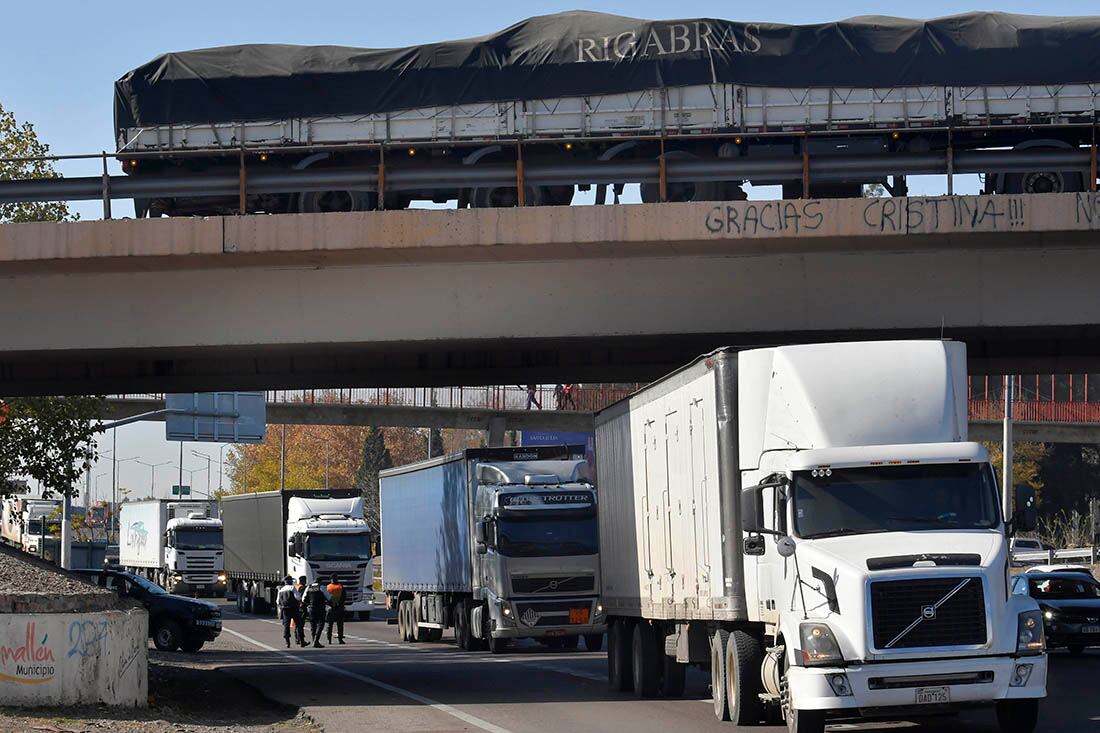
462	626
645	662
620	674
718	644
743	657
320	202
402	634
682	191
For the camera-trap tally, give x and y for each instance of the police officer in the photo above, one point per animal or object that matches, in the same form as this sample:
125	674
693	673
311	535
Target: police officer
337	599
315	603
290	610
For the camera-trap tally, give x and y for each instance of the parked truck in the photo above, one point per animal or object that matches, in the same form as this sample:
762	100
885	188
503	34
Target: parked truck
811	524
175	544
498	543
688	108
316	533
24	523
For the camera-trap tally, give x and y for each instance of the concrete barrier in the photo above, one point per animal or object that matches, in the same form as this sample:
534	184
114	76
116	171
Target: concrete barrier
75	658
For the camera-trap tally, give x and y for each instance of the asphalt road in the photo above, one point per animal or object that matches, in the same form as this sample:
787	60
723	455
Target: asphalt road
377	683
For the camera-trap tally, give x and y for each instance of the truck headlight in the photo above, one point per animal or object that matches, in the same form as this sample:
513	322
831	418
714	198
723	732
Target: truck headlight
221	577
819	646
1029	633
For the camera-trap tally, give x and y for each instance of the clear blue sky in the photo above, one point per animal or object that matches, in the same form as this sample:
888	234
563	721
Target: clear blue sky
58	61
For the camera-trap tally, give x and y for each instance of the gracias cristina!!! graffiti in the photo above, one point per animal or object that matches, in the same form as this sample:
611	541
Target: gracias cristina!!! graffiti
31	662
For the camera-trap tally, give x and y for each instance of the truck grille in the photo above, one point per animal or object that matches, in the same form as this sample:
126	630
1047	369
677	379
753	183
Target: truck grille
350	579
938	612
549	613
559	584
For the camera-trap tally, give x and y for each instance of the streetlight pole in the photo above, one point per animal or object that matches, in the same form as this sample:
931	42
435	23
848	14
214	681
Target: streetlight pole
1006	471
152	475
282	460
199	454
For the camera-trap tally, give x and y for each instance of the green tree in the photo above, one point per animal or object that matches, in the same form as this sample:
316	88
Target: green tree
50	440
376	458
19	140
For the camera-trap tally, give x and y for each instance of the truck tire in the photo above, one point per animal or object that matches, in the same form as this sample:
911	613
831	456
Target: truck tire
413	622
806	721
593	642
718	644
620	675
744	654
192	645
318	202
497	645
462	627
645	661
166	635
402	632
1017	716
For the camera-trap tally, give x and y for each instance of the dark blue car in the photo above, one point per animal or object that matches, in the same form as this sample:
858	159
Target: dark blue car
1070	602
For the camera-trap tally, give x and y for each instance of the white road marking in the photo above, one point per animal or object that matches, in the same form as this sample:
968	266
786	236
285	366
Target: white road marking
441	707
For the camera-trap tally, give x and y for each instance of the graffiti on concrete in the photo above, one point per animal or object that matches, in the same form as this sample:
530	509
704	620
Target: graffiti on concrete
756	218
86	638
944	213
30	662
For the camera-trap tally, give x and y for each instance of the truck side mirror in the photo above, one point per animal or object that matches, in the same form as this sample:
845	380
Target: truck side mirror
752	509
1026	516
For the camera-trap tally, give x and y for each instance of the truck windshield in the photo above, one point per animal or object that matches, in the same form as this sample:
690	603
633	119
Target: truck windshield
907	498
338	546
544	537
194	538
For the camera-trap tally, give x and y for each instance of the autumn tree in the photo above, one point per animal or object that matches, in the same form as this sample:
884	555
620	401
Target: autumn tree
375	459
1027	463
19	140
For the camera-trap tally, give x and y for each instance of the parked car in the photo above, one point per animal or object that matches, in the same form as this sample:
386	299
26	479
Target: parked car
175	622
1070	603
1060	569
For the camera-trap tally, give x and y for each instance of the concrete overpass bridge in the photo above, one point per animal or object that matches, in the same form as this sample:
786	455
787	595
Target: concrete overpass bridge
581	294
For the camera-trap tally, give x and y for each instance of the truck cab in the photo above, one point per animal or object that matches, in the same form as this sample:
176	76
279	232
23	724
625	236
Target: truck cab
35	512
536	550
329	537
877	556
194	554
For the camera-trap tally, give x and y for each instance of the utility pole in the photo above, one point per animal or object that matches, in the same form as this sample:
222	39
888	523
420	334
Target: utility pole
1006	471
180	483
326	463
114	486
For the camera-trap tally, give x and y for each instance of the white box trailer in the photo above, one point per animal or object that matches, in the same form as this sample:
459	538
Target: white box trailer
810	523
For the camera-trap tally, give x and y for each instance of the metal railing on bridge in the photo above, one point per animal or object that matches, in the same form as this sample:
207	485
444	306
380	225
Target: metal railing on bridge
1037	398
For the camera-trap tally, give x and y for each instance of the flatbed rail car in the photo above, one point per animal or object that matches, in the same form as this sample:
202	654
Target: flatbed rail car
805	115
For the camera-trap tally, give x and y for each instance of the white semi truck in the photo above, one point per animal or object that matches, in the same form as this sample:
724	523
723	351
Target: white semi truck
316	533
811	524
175	544
24	522
498	543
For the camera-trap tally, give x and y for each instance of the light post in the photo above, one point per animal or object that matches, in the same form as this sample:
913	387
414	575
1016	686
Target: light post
152	475
199	454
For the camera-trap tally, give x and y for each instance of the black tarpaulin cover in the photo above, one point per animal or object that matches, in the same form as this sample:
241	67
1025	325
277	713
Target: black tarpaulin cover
582	53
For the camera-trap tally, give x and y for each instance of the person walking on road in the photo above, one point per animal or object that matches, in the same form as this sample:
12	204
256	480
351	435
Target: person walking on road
315	604
289	605
336	601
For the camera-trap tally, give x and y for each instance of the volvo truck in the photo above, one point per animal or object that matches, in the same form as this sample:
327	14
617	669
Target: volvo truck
811	524
175	544
496	543
316	533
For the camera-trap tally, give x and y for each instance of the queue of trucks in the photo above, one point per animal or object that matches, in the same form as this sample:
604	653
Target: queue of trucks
24	524
808	523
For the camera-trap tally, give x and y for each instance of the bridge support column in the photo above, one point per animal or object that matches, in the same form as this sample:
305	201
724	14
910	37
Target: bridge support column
496	431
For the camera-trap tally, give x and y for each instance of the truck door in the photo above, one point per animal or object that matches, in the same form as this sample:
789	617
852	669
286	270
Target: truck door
653	512
700	514
771	565
678	492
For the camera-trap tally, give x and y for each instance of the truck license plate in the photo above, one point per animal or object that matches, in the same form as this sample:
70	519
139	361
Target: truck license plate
933	695
1090	629
578	615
